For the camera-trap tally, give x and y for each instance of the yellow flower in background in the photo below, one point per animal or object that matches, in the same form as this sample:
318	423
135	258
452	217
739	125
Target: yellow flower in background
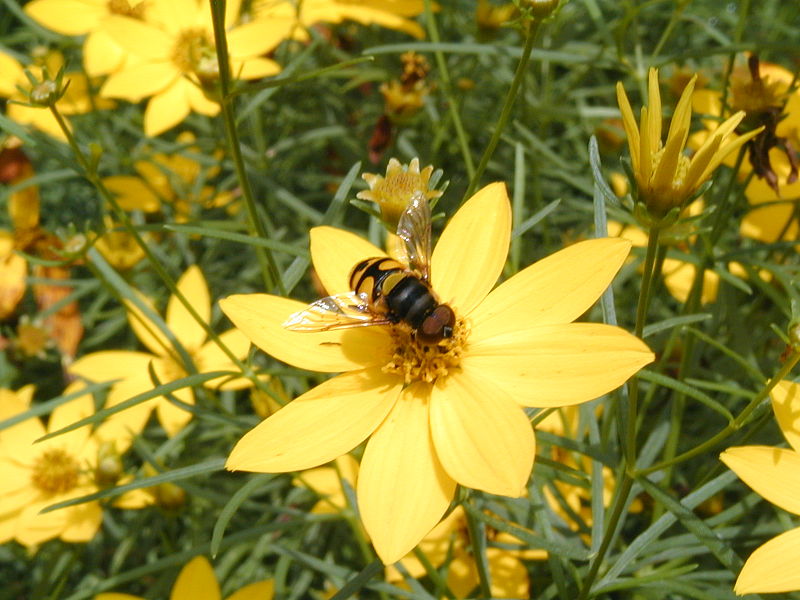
392	14
678	274
75	101
448	544
38	474
119	247
773	473
665	177
101	53
197	581
327	483
173	54
174	179
391	193
132	367
438	416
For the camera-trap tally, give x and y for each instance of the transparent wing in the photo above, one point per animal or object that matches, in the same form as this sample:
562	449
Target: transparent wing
414	228
340	311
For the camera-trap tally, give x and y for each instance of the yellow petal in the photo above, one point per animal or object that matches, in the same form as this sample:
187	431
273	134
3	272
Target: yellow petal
83	522
403	490
211	358
166	109
116	596
140	38
558	365
261	590
629	123
146	330
772	568
261	318
70	17
322	424
771	222
482	437
257	37
196	580
172	417
472	249
189	332
771	472
101	54
198	101
335	252
110	364
654	116
137	82
786	406
34	527
679	279
123	426
132	193
557	289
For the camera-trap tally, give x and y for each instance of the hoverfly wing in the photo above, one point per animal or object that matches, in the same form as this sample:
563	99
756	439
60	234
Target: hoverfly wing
414	228
339	311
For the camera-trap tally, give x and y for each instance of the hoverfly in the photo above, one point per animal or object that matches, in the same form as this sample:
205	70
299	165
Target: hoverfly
385	291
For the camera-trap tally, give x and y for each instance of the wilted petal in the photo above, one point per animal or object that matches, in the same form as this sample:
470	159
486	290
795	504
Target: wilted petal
335	252
261	318
403	490
557	365
482	437
322	424
196	580
772	568
786	406
771	472
556	289
472	249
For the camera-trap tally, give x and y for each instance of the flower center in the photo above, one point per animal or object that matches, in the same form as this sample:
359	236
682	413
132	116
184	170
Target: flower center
194	53
56	471
680	171
126	9
417	361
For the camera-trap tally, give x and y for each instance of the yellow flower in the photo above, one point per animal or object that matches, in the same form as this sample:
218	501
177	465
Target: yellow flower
38	474
444	415
449	543
173	52
169	179
665	177
132	367
392	14
101	53
197	581
119	247
327	483
678	274
392	192
773	473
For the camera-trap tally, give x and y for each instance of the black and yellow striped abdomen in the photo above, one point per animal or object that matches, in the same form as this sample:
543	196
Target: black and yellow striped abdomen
393	290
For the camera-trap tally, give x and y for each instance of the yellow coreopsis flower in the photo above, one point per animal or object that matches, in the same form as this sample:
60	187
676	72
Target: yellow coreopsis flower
773	473
173	53
37	474
132	367
391	193
197	581
665	177
101	53
449	543
169	179
392	14
437	416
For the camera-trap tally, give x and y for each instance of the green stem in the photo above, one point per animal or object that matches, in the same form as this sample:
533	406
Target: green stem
447	87
269	269
519	75
478	540
90	173
732	427
651	271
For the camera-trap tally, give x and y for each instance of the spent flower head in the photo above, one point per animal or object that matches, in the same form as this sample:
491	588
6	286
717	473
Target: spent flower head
436	415
666	178
393	192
